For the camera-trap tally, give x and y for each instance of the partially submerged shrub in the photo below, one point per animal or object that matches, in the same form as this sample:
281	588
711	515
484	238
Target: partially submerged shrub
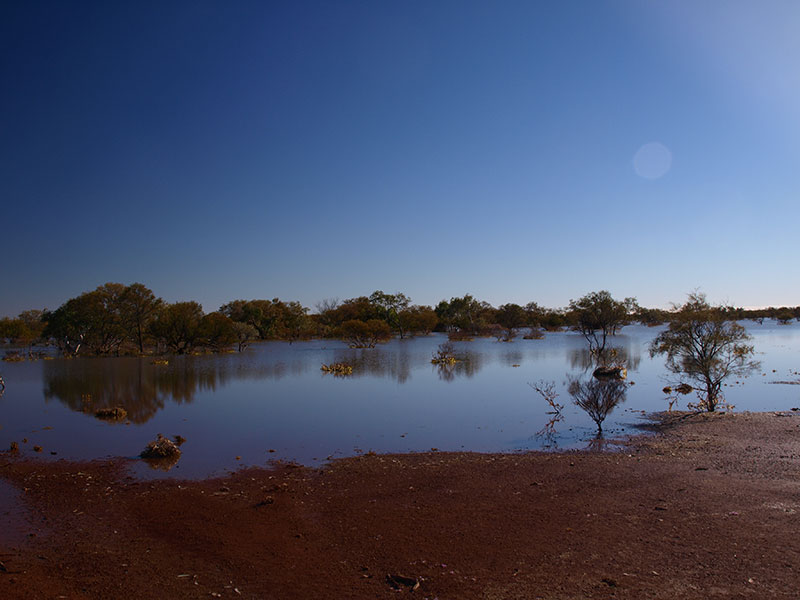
161	448
338	369
116	413
445	355
615	372
364	334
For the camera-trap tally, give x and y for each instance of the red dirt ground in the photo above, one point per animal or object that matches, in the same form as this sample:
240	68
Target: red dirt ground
706	508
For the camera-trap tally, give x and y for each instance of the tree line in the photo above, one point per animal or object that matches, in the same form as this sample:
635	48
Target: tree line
117	319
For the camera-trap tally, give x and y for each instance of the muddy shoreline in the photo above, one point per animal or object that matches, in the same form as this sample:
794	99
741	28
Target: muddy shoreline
705	508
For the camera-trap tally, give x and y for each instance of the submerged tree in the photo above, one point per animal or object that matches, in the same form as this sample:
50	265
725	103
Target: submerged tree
178	326
365	334
597	315
701	344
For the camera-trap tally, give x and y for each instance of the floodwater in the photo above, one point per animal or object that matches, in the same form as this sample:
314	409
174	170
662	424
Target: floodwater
273	401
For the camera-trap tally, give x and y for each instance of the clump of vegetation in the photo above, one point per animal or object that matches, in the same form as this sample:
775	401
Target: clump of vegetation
684	389
159	361
13	356
161	448
116	413
365	334
610	372
338	369
14	448
704	346
445	354
534	333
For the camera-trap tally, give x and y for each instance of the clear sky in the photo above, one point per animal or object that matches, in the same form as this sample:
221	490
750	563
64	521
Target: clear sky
516	151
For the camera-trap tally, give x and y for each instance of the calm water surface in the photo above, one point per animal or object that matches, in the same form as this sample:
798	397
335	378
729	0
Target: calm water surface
274	397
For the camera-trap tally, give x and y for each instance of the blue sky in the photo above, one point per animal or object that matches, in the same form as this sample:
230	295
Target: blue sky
307	150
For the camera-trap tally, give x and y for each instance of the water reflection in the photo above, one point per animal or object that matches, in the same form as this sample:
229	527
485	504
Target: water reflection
598	398
395	365
468	365
138	387
548	434
584	359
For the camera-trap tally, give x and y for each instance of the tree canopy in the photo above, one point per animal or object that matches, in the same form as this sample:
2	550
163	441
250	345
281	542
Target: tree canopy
706	348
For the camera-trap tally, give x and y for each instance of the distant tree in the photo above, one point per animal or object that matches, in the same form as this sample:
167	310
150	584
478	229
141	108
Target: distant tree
365	334
597	315
178	326
90	321
273	319
784	315
138	307
534	314
466	314
293	322
103	310
244	334
13	329
34	325
389	308
217	332
68	326
326	309
511	317
651	316
705	347
418	319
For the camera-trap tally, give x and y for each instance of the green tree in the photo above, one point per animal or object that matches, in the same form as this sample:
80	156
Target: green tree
597	315
365	334
418	319
178	326
244	334
68	326
466	314
138	307
389	308
511	317
217	331
705	347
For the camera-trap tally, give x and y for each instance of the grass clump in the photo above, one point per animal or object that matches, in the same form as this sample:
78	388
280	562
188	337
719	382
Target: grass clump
338	369
161	448
114	413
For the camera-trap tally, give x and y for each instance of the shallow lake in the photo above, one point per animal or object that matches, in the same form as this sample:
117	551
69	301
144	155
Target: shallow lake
273	401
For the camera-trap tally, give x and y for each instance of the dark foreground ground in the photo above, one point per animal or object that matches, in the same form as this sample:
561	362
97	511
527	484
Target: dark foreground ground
706	509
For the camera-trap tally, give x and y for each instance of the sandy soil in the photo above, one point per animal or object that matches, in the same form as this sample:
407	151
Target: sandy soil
707	508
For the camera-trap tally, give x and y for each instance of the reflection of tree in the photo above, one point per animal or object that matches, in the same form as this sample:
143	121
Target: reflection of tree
140	388
597	444
162	464
548	432
395	364
598	397
584	359
468	364
511	357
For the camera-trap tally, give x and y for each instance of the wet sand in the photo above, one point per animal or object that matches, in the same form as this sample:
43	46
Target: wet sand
707	507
